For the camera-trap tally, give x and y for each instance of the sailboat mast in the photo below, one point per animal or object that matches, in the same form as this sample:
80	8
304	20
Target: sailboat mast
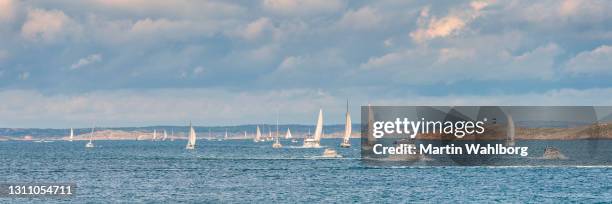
91	135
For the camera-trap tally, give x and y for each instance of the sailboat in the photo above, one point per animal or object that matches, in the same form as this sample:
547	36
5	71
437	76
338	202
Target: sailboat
225	137
154	135
277	143
165	136
510	131
347	129
192	138
90	143
269	134
172	135
288	135
71	135
315	142
245	135
257	135
209	134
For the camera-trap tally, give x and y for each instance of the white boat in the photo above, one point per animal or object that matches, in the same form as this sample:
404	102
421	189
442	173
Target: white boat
257	135
191	141
71	135
165	136
288	135
553	154
245	135
277	143
315	142
330	153
154	135
172	135
347	129
225	137
90	143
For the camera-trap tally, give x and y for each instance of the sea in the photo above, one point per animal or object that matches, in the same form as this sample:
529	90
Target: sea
241	171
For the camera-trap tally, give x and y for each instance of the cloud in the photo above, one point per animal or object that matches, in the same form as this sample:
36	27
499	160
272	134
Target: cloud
46	25
470	61
431	27
257	28
3	55
596	61
7	10
198	70
24	76
178	8
94	58
362	19
136	107
303	7
28	108
147	31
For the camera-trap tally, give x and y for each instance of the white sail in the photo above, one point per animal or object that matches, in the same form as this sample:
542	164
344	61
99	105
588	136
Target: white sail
510	131
90	143
269	134
245	135
258	135
288	135
191	141
225	137
71	134
319	128
347	129
165	136
154	135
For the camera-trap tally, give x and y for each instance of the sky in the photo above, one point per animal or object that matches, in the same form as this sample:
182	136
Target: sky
68	63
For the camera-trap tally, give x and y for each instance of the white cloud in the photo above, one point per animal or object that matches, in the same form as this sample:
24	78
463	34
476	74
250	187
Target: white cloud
362	19
3	55
303	7
596	61
290	63
27	108
148	30
182	8
198	70
431	27
24	76
136	107
7	10
47	25
94	58
257	28
486	60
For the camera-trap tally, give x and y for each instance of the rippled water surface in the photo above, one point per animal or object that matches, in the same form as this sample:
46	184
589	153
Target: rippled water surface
243	171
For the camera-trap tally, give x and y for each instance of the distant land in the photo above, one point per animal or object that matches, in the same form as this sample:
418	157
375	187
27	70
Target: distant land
146	133
548	130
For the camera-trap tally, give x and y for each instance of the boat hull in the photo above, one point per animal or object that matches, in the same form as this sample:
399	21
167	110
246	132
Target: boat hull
190	147
311	143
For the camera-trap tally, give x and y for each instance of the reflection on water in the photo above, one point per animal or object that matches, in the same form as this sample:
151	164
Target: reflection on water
240	171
